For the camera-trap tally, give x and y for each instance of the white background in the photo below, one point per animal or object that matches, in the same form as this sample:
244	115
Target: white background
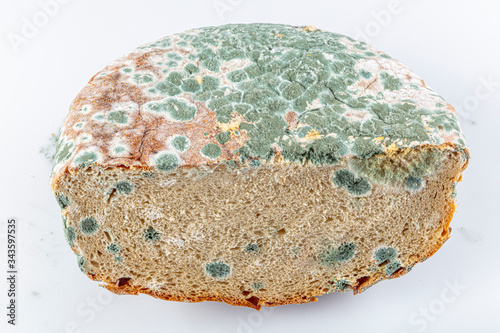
453	45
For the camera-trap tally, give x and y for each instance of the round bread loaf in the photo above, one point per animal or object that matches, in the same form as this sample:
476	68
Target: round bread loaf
257	165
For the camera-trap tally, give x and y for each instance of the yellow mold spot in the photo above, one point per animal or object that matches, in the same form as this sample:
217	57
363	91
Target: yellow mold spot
312	135
198	79
234	125
310	28
392	148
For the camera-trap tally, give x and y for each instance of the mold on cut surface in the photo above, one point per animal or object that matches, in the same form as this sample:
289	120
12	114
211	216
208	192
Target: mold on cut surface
384	254
62	200
124	187
332	256
113	248
256	164
70	235
414	183
356	186
150	234
88	225
218	269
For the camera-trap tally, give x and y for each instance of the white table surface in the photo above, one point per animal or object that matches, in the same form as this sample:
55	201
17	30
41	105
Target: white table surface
453	45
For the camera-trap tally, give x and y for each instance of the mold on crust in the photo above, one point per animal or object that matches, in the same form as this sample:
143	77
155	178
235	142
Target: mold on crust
300	93
256	164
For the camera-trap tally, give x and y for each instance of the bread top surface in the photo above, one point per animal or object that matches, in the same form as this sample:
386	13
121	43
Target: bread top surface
247	94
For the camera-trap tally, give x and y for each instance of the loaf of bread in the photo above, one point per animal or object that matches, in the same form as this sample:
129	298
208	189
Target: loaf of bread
257	165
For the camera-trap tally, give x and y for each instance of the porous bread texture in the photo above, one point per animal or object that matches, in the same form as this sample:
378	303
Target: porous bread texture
257	165
255	236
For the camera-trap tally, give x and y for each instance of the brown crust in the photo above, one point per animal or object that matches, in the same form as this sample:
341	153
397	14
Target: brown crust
251	302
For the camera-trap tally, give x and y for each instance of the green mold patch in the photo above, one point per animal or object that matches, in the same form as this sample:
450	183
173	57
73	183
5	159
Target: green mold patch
151	235
360	186
162	43
252	248
191	85
313	75
292	91
78	125
62	200
142	78
113	248
235	97
118	117
209	60
316	74
257	285
392	267
211	151
385	168
342	285
85	159
343	178
168	88
88	225
177	109
167	162
390	82
174	56
262	135
345	252
385	254
175	78
255	163
326	150
413	183
223	137
356	186
124	187
63	152
253	71
70	235
191	68
209	83
364	73
181	143
330	257
82	264
454	193
365	148
218	269
119	150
